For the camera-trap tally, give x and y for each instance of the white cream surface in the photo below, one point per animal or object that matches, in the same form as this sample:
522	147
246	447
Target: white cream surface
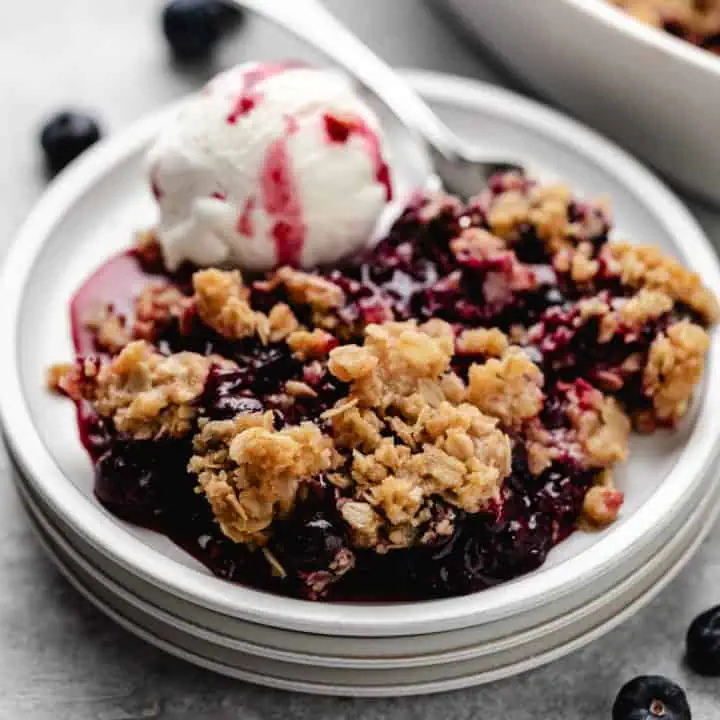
270	165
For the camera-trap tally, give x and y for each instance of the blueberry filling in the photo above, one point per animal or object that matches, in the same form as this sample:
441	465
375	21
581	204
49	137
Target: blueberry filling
419	271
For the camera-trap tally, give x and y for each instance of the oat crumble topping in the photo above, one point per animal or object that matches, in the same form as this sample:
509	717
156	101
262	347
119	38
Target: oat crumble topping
602	427
443	448
307	289
147	395
644	266
110	328
601	506
674	368
509	388
545	208
221	301
155	307
481	341
250	472
311	345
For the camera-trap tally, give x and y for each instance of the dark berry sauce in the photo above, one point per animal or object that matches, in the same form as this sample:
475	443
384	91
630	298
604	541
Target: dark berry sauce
412	273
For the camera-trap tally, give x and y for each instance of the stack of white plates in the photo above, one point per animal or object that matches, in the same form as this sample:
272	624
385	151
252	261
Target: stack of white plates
589	584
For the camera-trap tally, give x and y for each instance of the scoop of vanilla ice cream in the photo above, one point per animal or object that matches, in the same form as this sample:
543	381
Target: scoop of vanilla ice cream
269	165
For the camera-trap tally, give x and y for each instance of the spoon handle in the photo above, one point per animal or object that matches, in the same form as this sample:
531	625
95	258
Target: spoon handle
312	22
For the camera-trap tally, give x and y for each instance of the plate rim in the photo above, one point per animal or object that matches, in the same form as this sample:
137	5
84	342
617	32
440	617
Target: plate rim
659	567
325	618
582	638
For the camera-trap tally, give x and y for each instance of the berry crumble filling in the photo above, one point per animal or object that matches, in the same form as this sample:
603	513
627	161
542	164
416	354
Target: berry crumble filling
426	419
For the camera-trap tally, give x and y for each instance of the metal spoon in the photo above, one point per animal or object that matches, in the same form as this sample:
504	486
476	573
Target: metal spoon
462	169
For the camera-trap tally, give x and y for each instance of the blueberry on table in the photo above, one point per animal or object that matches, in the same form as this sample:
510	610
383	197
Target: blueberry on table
703	643
649	697
65	136
193	27
228	14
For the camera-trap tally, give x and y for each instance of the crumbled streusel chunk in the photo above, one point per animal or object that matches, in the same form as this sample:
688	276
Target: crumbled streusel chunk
601	506
601	426
58	377
313	290
221	301
675	365
621	315
364	522
313	345
645	266
437	204
351	362
148	249
644	306
508	388
454	453
146	394
109	329
481	341
155	307
542	207
250	472
582	267
393	360
400	384
281	323
477	241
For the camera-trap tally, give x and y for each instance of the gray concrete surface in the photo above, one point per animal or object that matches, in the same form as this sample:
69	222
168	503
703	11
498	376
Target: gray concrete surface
59	658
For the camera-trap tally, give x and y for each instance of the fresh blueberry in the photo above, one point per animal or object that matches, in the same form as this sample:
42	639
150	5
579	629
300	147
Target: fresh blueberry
228	14
193	27
65	136
649	697
703	643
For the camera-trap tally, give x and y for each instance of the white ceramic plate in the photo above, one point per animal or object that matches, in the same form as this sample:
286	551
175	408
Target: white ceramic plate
371	679
654	93
92	211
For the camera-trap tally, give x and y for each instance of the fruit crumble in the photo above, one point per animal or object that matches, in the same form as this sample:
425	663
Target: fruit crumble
696	21
426	419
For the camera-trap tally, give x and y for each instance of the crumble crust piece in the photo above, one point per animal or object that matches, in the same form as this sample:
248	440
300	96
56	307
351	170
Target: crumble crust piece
410	444
222	304
596	437
644	266
508	388
313	345
489	342
601	506
250	472
644	306
601	425
674	367
312	290
109	329
155	307
147	395
148	249
520	204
